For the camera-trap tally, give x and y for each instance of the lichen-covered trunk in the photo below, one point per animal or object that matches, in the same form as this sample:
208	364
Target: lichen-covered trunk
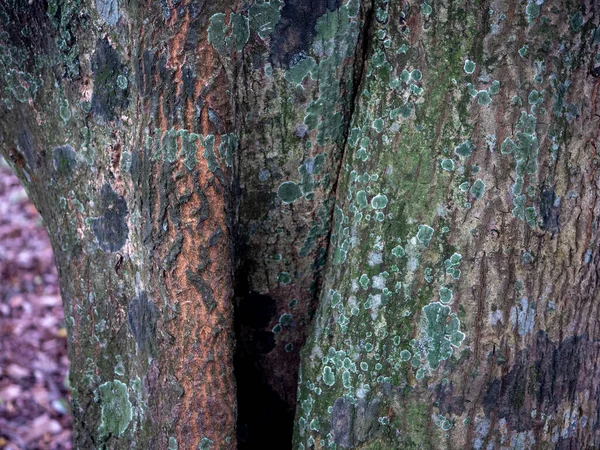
460	302
406	191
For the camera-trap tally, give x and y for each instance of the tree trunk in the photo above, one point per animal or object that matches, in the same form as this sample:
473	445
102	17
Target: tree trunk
419	177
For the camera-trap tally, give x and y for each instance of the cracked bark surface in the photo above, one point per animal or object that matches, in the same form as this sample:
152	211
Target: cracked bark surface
406	191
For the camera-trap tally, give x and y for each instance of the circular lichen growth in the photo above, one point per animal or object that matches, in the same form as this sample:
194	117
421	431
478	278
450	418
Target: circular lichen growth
469	67
378	125
445	295
416	75
122	82
289	192
379	201
426	9
448	165
398	251
284	278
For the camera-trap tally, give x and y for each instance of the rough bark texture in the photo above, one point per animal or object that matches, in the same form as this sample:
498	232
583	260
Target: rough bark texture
421	177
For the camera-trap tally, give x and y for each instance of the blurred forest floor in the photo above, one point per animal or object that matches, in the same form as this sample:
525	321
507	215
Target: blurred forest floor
34	391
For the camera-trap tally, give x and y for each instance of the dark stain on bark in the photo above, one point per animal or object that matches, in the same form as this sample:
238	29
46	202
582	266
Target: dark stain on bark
111	228
188	78
108	99
365	419
65	160
341	422
25	146
544	375
295	30
550	210
142	322
447	401
203	289
147	72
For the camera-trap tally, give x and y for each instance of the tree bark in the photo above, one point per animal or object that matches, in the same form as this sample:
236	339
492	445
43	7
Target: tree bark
406	191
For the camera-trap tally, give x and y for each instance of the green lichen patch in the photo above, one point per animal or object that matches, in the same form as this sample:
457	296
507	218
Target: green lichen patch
443	333
380	201
447	165
264	17
532	11
216	32
416	75
64	111
289	192
284	278
122	82
205	444
231	36
361	199
478	188
483	98
378	125
298	72
116	409
452	265
508	146
445	295
227	147
426	9
425	234
240	32
398	251
469	67
494	87
328	376
523	51
464	149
